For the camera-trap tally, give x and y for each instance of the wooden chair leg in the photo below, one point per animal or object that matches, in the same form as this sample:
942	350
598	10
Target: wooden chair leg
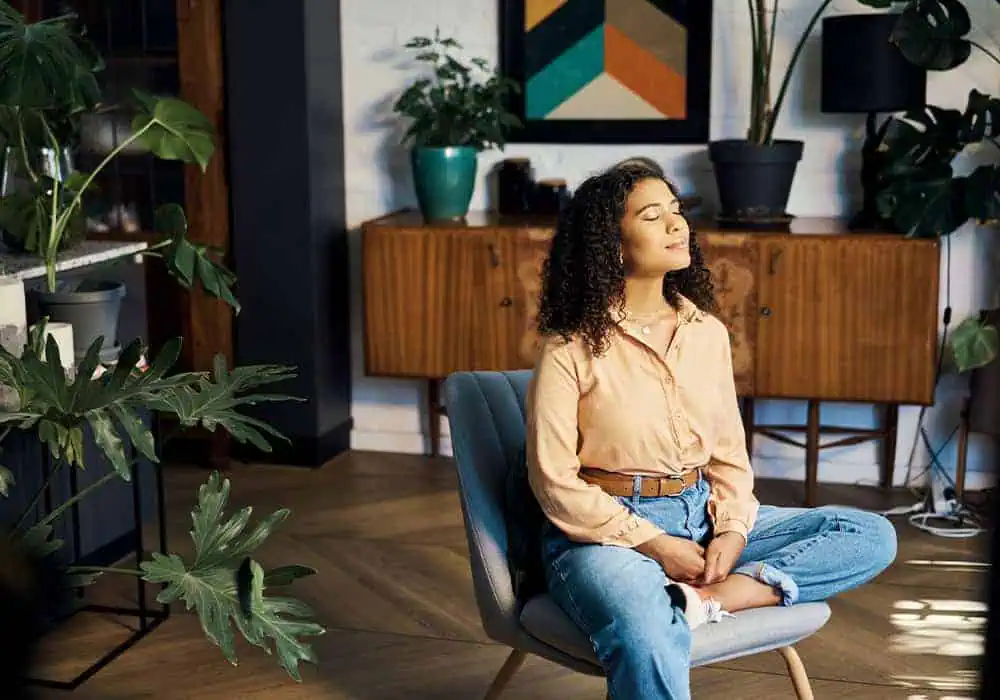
505	673
800	680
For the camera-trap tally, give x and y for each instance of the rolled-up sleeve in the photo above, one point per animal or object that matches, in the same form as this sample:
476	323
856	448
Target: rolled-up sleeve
581	510
732	504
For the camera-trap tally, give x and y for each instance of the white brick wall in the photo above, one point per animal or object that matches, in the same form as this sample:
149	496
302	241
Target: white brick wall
386	412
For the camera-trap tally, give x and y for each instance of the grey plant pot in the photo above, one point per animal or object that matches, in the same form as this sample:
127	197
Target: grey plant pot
754	180
92	308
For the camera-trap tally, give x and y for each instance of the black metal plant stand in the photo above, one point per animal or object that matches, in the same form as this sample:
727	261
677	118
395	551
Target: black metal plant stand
149	617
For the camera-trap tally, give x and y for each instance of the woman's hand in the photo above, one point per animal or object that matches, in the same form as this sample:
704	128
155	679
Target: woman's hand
681	559
721	556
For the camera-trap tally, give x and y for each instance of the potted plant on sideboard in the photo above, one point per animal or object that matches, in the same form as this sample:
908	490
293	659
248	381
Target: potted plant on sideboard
47	84
754	175
922	194
456	112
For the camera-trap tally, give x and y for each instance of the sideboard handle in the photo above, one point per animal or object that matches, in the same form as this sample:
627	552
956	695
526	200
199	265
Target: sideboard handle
506	301
494	256
765	311
775	256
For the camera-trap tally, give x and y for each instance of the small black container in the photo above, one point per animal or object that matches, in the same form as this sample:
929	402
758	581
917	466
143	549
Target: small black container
515	187
550	197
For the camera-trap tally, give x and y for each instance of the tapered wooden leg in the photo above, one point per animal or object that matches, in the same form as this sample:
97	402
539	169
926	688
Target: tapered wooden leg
887	463
505	673
812	453
434	417
797	672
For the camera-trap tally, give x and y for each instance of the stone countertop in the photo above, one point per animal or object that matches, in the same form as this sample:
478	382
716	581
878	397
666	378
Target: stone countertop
24	267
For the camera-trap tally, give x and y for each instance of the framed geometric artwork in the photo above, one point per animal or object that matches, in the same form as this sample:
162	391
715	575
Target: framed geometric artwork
608	71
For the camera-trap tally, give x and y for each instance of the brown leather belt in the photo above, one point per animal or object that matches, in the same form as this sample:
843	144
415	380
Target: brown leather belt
649	486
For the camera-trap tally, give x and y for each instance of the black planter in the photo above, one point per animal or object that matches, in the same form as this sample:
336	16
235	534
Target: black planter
754	180
92	308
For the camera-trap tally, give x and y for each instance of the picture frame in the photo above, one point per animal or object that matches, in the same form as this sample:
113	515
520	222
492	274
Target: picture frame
615	59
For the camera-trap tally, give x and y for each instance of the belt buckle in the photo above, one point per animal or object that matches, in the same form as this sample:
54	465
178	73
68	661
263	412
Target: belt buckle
673	477
661	485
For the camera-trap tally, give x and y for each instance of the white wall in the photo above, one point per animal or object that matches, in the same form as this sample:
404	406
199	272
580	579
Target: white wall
388	414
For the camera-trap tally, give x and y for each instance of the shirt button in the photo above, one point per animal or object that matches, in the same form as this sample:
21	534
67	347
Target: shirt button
645	330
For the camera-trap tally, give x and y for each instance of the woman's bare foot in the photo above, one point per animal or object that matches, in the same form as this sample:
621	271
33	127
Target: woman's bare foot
740	592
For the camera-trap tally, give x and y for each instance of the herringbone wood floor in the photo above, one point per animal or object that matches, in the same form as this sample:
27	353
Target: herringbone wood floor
394	589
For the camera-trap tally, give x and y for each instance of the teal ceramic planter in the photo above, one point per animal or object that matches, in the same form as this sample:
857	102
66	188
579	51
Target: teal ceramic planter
444	179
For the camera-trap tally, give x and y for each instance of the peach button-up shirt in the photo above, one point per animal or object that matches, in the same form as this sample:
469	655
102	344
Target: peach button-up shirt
634	410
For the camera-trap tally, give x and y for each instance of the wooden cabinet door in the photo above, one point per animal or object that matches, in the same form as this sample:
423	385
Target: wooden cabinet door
850	318
420	288
506	338
732	259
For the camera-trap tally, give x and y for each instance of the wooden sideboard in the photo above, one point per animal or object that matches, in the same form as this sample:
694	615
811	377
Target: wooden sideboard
815	313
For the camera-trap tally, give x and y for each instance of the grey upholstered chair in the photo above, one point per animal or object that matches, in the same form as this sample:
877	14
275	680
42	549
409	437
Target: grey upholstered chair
486	414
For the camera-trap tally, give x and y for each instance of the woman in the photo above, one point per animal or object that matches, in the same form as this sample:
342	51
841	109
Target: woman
637	454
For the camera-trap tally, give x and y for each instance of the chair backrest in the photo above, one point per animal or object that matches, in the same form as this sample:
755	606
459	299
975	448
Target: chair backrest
486	416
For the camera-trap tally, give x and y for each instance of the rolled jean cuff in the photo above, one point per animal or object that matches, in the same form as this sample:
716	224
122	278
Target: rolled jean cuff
765	573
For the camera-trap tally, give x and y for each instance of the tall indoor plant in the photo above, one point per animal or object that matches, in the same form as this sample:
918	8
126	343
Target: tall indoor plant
921	193
222	583
48	82
455	112
754	175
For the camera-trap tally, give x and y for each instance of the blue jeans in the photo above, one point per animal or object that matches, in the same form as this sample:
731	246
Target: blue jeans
618	597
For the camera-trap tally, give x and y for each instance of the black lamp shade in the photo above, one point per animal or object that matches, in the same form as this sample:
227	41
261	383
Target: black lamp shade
863	72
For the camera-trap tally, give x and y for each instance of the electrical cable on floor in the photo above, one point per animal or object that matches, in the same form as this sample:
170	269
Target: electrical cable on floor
958	521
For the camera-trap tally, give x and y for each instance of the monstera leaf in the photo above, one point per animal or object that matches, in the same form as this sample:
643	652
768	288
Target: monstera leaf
46	64
173	130
209	583
932	34
929	135
925	202
973	344
982	117
189	262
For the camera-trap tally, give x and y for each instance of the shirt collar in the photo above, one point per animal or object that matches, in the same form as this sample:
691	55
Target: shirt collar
687	310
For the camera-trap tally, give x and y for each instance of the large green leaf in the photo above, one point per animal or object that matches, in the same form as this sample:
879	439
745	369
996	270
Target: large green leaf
973	344
46	64
174	130
981	117
918	189
190	262
925	203
932	34
930	135
60	408
214	402
208	584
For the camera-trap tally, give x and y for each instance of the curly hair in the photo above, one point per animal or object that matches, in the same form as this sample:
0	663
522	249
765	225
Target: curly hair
583	278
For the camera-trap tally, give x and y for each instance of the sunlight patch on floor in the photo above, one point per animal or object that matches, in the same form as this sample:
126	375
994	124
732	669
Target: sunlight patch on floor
945	627
958	685
950	565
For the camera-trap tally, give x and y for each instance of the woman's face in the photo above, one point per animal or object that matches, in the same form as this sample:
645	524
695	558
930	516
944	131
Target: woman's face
655	237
